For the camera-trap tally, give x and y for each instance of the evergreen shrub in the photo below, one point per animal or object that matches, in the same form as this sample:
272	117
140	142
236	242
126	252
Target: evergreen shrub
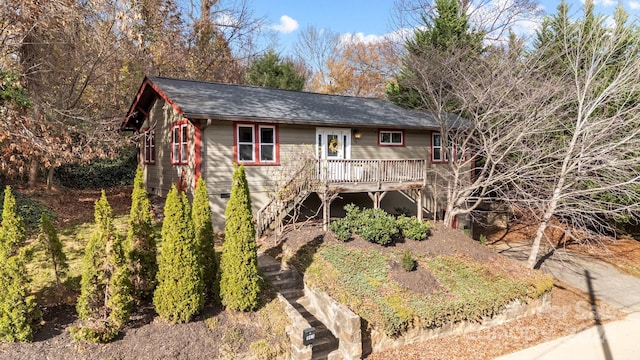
105	300
141	242
240	281
18	309
179	295
413	228
201	214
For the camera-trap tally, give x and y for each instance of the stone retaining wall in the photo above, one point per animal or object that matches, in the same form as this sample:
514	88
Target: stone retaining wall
346	325
380	341
294	330
342	322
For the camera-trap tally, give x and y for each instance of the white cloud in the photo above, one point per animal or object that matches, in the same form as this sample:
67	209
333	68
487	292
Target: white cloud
634	5
603	2
226	19
286	25
398	36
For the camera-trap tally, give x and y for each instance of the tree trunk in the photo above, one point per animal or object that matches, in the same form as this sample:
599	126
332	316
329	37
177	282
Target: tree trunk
50	172
448	215
551	208
33	173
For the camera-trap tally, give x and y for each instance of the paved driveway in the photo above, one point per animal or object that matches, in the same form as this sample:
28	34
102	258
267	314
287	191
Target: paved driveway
587	274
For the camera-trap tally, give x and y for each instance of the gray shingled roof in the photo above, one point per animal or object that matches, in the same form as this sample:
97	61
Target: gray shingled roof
203	100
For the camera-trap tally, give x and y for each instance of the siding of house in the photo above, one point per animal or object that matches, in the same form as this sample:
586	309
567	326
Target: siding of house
160	176
217	164
416	146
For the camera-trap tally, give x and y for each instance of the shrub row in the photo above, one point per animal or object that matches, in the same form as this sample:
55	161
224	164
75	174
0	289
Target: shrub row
377	226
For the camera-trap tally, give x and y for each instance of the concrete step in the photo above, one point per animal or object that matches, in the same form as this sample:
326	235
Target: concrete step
292	294
321	355
267	264
280	274
285	284
324	344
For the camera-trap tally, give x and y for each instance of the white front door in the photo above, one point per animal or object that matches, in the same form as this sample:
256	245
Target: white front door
333	144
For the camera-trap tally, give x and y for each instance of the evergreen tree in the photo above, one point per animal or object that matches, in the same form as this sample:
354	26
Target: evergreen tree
105	289
446	32
179	294
140	242
271	71
240	282
203	226
53	246
18	309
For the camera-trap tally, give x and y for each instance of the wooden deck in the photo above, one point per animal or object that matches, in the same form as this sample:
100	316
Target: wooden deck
371	175
329	178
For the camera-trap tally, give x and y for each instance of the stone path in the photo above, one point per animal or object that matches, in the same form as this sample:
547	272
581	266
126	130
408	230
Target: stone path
585	273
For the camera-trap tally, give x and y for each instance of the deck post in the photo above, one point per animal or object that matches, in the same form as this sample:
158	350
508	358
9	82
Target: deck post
376	197
327	198
419	214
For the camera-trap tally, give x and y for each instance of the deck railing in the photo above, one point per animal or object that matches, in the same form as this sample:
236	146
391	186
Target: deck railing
371	171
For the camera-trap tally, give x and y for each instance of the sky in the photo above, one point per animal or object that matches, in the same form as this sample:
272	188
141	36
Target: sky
371	19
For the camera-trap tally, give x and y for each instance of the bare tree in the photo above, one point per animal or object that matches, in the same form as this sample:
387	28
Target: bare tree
498	101
316	47
590	171
494	18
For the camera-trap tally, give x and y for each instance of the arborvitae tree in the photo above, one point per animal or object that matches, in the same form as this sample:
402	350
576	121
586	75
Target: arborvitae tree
201	214
179	294
48	237
240	281
12	234
105	288
140	242
18	308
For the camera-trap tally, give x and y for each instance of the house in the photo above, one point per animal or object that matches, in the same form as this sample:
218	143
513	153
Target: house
297	147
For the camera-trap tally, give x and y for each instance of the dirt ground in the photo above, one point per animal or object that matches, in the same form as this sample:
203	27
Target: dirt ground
74	206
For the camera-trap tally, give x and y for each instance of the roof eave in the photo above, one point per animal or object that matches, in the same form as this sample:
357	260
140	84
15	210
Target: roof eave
235	118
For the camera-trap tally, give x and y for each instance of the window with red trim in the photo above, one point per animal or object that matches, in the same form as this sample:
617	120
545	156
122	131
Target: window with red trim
180	144
390	137
256	144
150	147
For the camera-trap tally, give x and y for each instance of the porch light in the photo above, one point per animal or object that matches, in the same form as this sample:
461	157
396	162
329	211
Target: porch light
357	134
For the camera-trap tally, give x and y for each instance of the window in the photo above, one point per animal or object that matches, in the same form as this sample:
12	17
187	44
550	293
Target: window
438	152
179	144
256	144
267	144
150	146
245	144
391	138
